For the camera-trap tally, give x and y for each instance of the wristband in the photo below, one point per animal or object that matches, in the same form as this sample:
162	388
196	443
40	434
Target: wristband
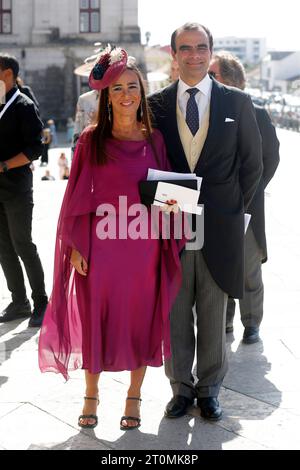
4	167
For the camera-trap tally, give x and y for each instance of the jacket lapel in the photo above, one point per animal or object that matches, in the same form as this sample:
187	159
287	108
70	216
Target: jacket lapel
216	122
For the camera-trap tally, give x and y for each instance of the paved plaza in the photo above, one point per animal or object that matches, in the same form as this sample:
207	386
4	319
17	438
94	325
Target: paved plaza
260	394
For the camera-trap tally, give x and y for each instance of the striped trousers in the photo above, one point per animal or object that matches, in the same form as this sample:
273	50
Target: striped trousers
202	334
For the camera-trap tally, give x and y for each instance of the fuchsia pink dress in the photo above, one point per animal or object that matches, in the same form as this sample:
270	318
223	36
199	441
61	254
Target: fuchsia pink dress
117	317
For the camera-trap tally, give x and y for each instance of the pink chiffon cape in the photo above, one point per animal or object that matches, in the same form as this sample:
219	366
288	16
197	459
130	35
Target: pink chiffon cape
117	318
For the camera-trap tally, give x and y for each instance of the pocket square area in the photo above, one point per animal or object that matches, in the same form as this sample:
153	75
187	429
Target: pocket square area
229	120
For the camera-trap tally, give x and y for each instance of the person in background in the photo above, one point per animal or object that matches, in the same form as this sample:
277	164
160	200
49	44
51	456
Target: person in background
174	71
46	143
228	70
63	164
47	176
51	125
88	103
86	113
27	91
66	174
70	129
20	144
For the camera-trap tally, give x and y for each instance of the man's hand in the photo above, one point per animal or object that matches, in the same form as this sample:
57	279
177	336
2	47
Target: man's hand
79	263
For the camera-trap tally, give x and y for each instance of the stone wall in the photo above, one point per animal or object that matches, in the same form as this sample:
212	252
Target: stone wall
48	45
38	22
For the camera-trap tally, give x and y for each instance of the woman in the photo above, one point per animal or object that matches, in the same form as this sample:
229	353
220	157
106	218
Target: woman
112	314
62	164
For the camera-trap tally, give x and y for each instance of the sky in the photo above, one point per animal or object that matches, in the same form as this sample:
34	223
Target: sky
277	21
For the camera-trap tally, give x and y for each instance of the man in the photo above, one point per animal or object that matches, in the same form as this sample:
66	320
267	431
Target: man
47	176
174	71
20	144
88	103
26	90
228	70
86	111
205	126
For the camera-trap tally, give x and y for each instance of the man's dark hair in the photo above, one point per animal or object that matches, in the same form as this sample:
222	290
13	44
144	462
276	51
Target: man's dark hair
9	62
191	27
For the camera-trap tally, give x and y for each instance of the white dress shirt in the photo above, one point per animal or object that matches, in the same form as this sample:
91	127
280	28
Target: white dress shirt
202	98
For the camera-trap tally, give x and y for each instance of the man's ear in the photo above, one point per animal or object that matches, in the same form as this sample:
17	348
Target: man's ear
173	54
2	92
9	75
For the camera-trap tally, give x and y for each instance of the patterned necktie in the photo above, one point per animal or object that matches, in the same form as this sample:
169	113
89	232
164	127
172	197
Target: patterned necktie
192	112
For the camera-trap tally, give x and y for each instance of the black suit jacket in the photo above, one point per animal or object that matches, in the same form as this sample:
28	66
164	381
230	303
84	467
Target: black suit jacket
231	166
270	154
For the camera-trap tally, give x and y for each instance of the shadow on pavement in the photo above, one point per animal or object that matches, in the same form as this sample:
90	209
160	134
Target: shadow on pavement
3	380
248	370
9	326
187	433
8	347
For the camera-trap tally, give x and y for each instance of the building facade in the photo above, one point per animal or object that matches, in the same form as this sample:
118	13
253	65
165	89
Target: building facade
51	38
279	71
249	50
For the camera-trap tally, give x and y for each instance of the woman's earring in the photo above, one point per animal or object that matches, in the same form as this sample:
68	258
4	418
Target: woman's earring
140	112
109	111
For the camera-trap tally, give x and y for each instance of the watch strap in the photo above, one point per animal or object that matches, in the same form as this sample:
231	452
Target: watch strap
4	167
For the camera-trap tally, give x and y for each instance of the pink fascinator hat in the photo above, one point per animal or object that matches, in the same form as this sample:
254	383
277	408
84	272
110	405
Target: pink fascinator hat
110	64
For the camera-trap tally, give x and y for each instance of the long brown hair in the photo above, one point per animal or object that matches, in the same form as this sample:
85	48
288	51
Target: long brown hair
103	127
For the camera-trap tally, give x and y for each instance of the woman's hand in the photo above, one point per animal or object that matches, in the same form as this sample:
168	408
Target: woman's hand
79	263
170	206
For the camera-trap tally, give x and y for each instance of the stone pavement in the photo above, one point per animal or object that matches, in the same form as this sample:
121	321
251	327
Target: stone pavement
260	394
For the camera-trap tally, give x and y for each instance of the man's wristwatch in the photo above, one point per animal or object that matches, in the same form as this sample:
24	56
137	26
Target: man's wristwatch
4	167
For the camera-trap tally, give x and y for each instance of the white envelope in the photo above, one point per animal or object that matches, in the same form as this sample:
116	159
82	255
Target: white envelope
155	175
187	199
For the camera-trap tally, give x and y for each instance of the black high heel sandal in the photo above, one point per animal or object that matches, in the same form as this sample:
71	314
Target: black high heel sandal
94	417
130	418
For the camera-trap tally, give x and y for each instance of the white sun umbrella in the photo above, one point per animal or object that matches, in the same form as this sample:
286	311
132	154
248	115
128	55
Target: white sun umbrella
85	69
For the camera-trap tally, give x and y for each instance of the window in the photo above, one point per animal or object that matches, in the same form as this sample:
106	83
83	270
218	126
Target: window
89	16
5	17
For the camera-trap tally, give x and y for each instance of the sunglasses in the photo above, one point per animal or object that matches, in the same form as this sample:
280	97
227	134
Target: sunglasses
213	74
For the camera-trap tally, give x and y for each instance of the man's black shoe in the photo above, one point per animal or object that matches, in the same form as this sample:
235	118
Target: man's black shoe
177	406
251	335
37	316
15	311
210	408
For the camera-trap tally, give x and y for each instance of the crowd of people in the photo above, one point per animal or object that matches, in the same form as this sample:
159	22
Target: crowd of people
124	302
285	119
284	112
